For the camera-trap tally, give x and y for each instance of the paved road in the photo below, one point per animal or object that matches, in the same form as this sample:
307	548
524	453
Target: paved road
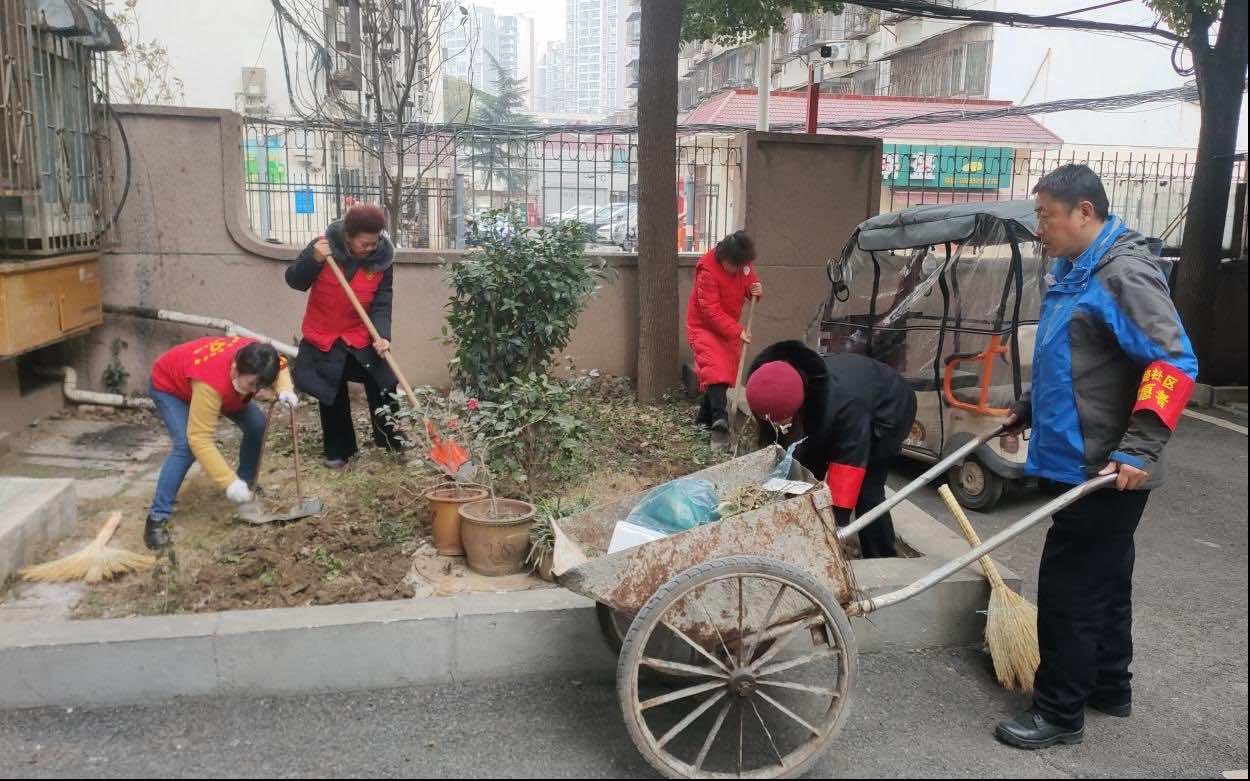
922	714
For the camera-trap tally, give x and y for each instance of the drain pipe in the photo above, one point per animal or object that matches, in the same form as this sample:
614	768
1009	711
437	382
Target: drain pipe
69	385
220	324
69	377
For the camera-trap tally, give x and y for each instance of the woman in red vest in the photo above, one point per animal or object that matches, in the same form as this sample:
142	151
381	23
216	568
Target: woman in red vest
723	280
193	386
336	346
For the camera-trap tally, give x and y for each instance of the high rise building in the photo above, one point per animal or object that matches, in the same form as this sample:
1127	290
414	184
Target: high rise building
553	85
595	52
469	46
517	53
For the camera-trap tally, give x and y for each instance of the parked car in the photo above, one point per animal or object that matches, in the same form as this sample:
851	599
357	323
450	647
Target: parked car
619	226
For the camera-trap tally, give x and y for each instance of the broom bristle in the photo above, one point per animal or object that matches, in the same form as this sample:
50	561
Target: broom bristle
1011	633
93	564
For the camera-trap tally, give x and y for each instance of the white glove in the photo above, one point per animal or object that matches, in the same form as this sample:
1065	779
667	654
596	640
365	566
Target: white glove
239	493
289	398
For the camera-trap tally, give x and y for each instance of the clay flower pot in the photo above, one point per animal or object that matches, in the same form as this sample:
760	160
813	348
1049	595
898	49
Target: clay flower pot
544	567
496	535
445	502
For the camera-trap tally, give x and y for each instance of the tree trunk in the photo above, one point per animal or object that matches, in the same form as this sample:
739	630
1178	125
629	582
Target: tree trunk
657	197
1221	79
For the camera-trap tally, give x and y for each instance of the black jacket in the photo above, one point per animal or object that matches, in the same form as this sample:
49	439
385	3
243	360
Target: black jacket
318	373
855	410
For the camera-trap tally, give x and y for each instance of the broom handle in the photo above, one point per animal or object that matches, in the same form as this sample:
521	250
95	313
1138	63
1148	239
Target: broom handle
299	481
742	359
373	332
110	526
970	534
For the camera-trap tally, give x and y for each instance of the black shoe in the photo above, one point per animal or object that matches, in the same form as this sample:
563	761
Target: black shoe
156	534
1121	710
1029	730
721	425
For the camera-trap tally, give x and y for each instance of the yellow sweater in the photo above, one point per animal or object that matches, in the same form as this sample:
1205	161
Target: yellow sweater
202	425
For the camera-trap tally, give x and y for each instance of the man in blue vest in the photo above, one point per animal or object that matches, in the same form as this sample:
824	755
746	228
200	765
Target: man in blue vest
1112	372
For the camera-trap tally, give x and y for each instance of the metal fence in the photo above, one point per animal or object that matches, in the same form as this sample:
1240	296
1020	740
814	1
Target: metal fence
299	177
1148	190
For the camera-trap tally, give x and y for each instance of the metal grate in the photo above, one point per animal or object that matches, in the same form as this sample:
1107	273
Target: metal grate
50	151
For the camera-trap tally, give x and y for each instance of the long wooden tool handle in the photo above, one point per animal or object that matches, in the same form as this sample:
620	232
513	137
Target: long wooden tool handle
742	359
264	441
373	332
970	534
299	481
110	526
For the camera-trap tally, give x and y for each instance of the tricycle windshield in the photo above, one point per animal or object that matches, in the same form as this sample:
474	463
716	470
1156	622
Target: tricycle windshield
955	318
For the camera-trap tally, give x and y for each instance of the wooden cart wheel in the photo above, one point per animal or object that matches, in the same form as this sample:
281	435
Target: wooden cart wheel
615	625
750	708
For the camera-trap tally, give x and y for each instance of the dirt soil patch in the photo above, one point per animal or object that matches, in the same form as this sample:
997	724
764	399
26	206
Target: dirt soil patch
372	541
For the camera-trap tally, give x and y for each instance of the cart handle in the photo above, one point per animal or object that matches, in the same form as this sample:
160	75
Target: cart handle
937	469
865	606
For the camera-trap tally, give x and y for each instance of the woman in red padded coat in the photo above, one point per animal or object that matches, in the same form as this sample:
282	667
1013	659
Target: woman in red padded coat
723	280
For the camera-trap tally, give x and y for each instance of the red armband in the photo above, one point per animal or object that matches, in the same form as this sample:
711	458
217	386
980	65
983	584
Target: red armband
844	483
1164	390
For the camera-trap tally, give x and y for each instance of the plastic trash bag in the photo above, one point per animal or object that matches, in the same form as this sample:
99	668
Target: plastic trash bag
677	506
782	470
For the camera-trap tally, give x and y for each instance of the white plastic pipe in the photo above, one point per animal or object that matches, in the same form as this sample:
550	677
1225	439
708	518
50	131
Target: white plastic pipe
69	384
217	323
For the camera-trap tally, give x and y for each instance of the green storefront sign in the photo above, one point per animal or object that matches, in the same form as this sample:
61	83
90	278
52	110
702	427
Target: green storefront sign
946	167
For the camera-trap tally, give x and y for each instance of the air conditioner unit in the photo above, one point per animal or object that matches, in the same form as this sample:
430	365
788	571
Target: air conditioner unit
839	52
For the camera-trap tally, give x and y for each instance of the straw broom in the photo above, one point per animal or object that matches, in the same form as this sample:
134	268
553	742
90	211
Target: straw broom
1011	625
98	561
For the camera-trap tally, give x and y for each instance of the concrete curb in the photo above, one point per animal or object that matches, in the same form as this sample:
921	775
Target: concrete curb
439	640
301	650
36	512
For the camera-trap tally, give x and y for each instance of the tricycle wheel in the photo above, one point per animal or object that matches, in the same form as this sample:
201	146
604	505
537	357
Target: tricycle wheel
975	486
750	707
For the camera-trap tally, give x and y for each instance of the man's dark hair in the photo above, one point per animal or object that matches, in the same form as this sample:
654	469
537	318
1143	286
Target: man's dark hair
259	359
1073	183
737	248
364	218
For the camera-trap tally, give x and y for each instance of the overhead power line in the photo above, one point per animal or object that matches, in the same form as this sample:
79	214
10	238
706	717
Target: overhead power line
1186	93
1009	19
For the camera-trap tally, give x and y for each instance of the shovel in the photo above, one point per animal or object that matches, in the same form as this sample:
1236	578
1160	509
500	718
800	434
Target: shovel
254	512
451	456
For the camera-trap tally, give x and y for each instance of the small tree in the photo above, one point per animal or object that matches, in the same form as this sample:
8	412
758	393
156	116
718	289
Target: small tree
515	300
379	67
141	72
497	156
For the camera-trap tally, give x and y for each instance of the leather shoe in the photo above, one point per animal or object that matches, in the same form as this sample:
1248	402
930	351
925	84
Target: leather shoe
156	534
1030	730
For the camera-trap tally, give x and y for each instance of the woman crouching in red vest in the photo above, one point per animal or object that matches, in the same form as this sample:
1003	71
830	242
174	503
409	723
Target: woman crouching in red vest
193	386
336	347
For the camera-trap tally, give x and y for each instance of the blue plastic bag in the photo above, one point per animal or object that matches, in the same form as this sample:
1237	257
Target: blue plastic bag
782	470
677	506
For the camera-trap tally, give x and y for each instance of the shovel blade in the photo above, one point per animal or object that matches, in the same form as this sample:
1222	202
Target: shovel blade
255	514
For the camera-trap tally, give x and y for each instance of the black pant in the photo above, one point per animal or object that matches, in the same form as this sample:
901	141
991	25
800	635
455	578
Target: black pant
1085	606
715	405
876	540
336	419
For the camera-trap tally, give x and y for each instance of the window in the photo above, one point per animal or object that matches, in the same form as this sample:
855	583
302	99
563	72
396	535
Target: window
956	72
976	68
